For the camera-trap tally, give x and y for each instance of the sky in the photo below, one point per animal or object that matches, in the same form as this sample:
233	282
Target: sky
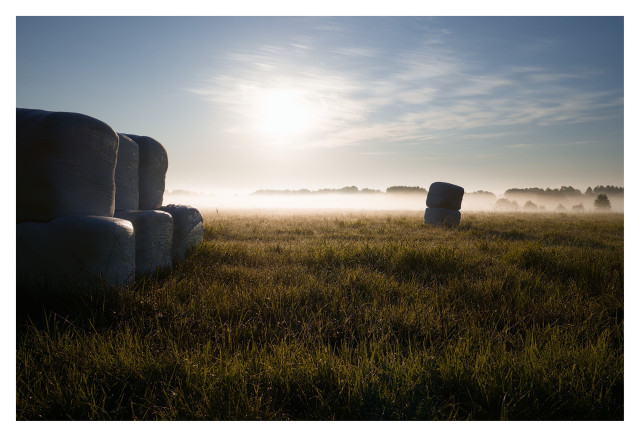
249	103
485	102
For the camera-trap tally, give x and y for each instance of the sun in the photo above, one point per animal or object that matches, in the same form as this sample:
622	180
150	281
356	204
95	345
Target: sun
284	113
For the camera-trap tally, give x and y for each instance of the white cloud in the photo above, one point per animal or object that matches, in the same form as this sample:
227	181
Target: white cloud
488	135
480	85
407	96
417	96
355	51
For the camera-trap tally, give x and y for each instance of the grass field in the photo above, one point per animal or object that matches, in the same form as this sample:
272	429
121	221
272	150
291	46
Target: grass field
346	316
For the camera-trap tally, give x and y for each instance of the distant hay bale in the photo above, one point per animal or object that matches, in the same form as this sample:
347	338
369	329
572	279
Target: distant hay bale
75	253
153	164
153	239
445	195
188	230
441	217
65	165
126	175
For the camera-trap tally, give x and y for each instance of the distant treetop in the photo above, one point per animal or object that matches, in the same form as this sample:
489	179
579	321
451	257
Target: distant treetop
280	192
609	189
343	190
506	205
401	189
562	191
482	193
568	191
602	202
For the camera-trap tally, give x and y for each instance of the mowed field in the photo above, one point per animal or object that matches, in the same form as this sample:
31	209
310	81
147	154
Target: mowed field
345	315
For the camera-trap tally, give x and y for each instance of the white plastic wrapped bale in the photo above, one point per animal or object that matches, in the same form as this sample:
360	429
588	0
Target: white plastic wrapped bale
126	174
445	195
154	237
152	171
75	253
442	217
188	230
65	165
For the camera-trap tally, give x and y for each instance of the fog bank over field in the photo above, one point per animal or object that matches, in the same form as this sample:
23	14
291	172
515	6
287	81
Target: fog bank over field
378	200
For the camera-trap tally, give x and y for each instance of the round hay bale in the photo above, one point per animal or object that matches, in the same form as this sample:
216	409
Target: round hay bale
65	164
188	230
126	175
75	253
153	236
152	170
445	195
441	217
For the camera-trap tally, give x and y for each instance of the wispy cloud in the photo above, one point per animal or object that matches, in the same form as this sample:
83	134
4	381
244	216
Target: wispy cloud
409	96
488	135
366	52
481	85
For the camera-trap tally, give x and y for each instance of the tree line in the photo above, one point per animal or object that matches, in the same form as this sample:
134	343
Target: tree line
566	191
347	190
563	191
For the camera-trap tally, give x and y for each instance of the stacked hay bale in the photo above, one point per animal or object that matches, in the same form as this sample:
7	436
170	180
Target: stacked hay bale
88	204
444	201
154	237
188	228
75	252
126	174
139	178
66	235
64	165
152	170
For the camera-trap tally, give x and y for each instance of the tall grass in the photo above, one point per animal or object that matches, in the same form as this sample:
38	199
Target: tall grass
345	316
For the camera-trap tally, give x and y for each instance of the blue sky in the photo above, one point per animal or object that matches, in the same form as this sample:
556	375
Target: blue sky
247	103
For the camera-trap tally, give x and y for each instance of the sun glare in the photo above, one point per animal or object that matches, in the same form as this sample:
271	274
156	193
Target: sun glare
284	113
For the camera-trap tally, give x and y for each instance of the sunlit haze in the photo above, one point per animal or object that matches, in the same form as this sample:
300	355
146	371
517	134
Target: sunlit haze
249	103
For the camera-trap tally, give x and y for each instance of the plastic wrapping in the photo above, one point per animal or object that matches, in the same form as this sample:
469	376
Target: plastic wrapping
441	217
75	253
126	174
445	195
65	165
188	230
152	171
154	237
